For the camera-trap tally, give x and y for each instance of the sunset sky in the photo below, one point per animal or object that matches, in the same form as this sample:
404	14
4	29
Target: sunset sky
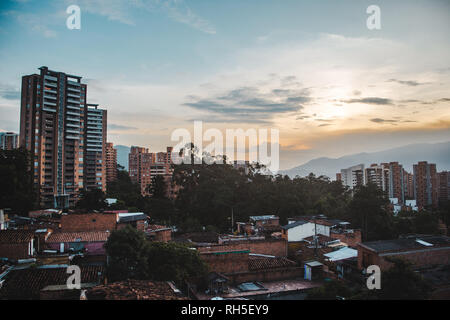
311	69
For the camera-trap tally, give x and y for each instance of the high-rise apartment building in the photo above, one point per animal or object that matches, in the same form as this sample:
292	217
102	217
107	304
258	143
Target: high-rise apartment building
111	163
396	185
408	181
425	184
139	161
95	148
143	166
9	140
377	175
64	134
444	186
353	176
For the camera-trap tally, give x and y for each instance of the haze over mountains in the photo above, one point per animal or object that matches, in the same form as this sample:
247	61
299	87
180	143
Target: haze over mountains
408	155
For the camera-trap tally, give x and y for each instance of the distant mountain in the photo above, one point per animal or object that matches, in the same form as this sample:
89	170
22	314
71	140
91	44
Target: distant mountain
122	155
438	153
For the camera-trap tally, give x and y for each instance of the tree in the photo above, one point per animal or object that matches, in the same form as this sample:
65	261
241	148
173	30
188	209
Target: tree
93	199
173	261
125	191
16	188
331	290
132	256
158	187
127	252
400	282
368	211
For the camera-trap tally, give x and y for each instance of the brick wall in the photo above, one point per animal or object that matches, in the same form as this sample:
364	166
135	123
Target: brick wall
139	225
275	247
226	261
419	258
266	275
351	239
88	222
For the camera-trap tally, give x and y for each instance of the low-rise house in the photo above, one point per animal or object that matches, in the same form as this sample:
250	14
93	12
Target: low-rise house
89	242
137	220
17	244
422	251
159	233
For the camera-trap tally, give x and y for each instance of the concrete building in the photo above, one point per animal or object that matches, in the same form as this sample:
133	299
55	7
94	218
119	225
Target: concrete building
377	175
111	163
64	134
9	140
353	177
425	184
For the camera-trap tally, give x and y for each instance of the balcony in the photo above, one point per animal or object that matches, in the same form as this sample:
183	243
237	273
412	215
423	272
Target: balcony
49	110
72	113
49	103
47	96
70	100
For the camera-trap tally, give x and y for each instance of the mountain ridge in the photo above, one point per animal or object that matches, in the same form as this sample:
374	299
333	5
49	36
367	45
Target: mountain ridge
406	155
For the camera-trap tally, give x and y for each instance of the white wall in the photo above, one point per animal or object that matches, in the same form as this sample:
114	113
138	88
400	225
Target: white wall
307	230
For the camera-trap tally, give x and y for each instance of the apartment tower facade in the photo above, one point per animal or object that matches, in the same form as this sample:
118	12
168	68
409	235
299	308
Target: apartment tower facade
143	166
57	127
111	163
425	184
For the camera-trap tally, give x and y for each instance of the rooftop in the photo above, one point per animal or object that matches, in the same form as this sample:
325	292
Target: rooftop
262	263
16	236
27	283
88	236
265	217
294	224
407	243
135	290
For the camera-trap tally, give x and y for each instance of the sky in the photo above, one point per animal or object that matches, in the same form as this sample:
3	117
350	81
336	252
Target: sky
311	69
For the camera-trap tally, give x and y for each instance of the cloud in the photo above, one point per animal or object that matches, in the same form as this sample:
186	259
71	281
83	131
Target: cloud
119	127
371	100
123	11
36	23
408	82
9	93
379	120
250	104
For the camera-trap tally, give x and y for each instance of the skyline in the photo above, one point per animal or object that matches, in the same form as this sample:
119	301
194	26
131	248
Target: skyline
331	86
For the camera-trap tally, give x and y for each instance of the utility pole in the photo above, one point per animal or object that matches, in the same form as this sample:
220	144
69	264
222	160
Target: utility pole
232	220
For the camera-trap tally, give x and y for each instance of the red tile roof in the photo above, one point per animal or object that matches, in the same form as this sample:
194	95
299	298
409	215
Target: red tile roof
88	236
27	283
16	236
259	263
134	290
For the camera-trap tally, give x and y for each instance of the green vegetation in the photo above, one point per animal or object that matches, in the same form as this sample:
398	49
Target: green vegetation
133	257
16	181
